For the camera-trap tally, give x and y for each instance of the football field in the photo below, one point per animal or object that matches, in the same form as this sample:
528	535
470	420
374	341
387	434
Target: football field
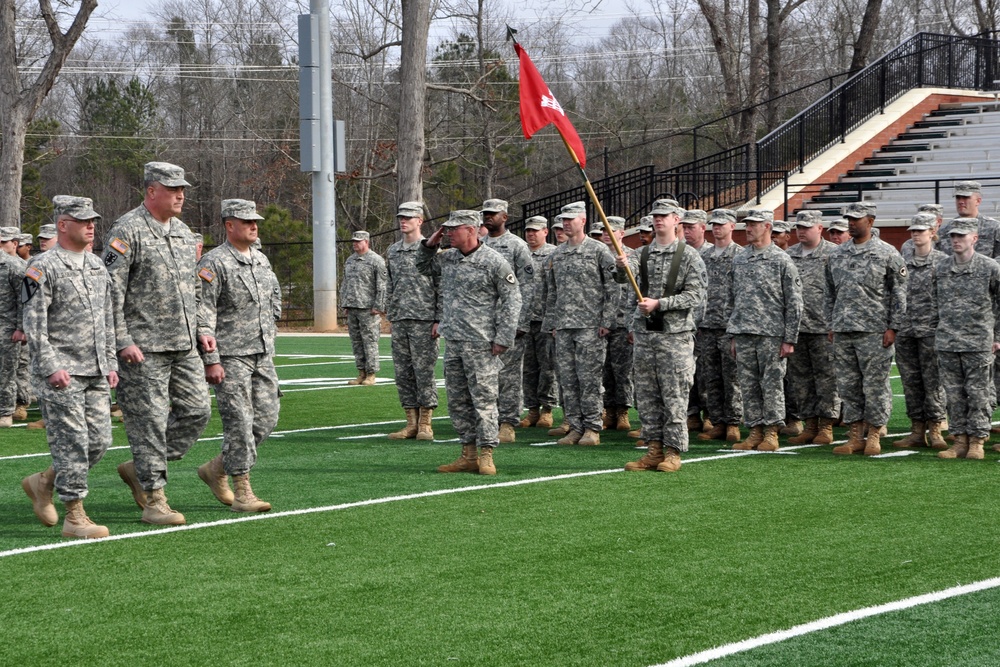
371	557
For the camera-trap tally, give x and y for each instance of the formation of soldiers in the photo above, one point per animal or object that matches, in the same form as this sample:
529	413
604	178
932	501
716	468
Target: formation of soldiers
159	324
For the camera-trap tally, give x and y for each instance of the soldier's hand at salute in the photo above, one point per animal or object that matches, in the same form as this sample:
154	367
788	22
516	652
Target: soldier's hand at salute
215	373
435	238
113	379
132	355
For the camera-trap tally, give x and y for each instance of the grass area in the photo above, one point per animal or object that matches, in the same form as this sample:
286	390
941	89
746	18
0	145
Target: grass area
608	569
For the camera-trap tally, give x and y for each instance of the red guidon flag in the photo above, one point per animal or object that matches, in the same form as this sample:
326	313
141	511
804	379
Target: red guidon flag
539	107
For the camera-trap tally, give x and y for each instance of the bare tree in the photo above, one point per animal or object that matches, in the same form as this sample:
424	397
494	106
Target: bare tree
412	100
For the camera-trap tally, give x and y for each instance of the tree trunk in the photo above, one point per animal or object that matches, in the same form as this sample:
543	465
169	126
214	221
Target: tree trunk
412	99
866	35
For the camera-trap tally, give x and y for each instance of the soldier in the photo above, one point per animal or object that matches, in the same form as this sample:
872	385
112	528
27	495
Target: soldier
838	232
810	374
480	304
617	382
11	336
916	357
672	276
968	199
559	231
69	322
937	210
645	228
581	300
540	389
766	303
412	308
24	394
865	306
362	295
781	234
515	251
149	253
236	330
717	367
694	223
24	246
46	237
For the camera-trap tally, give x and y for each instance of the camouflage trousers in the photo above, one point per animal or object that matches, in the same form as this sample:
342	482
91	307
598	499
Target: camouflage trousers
414	356
248	405
968	382
579	365
24	394
78	428
663	379
470	382
166	405
539	385
9	355
720	383
618	387
696	397
862	367
811	377
509	383
762	375
917	361
363	328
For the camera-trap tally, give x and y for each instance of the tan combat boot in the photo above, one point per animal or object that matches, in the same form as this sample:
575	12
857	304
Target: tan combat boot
706	425
213	473
622	423
39	488
570	438
467	462
824	432
976	448
770	443
485	461
368	380
957	450
810	431
544	418
358	380
158	512
608	418
424	429
507	434
873	443
409	431
753	440
245	500
7	421
116	411
36	426
20	413
78	524
718	432
652	458
732	433
127	472
934	437
916	437
531	418
694	423
671	460
562	429
855	440
792	427
635	433
590	438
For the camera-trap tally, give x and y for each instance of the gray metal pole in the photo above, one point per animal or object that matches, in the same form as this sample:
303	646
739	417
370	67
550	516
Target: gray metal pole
324	204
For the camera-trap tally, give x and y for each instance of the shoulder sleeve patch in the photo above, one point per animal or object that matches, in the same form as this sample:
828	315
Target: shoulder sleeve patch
206	274
34	273
510	278
902	271
119	246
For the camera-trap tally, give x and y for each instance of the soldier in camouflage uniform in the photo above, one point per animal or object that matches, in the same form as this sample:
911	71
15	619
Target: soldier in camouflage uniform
362	295
413	309
717	368
916	357
967	338
150	254
694	223
865	306
581	301
69	322
617	382
480	303
781	234
663	328
810	374
236	331
936	210
515	251
25	397
765	300
837	231
46	237
540	389
645	228
12	337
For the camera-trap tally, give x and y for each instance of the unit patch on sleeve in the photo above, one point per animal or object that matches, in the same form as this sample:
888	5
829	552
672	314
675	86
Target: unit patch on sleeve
119	246
206	274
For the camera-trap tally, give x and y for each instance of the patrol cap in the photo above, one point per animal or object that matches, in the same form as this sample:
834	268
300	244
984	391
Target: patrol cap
198	238
808	218
781	227
494	206
24	239
241	209
597	229
646	223
616	222
838	225
922	222
858	210
759	215
666	207
47	232
9	234
694	216
968	188
360	236
80	208
936	209
463	217
571	211
536	222
165	173
557	224
964	226
721	216
410	209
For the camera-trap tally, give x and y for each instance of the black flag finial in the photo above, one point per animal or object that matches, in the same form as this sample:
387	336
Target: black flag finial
510	35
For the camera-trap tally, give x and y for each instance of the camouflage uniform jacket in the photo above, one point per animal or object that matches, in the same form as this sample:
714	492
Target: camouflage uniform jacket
237	303
989	237
480	300
515	250
969	298
11	273
812	273
69	315
865	287
921	319
766	294
364	283
156	287
625	304
581	291
679	310
409	295
540	258
719	270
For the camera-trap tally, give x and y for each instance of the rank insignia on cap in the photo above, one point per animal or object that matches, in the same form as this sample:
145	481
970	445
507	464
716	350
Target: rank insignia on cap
34	273
206	274
119	246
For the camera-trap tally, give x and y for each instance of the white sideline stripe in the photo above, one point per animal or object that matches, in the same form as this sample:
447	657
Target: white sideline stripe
892	455
829	622
316	363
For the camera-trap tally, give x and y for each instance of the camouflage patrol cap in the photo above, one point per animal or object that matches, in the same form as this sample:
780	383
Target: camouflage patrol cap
964	226
24	239
572	211
968	188
666	207
360	236
616	222
79	208
164	173
858	210
759	215
241	209
781	227
558	224
9	234
463	217
198	238
410	209
645	223
597	229
721	216
922	222
536	222
47	232
808	218
694	216
936	209
494	206
838	225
